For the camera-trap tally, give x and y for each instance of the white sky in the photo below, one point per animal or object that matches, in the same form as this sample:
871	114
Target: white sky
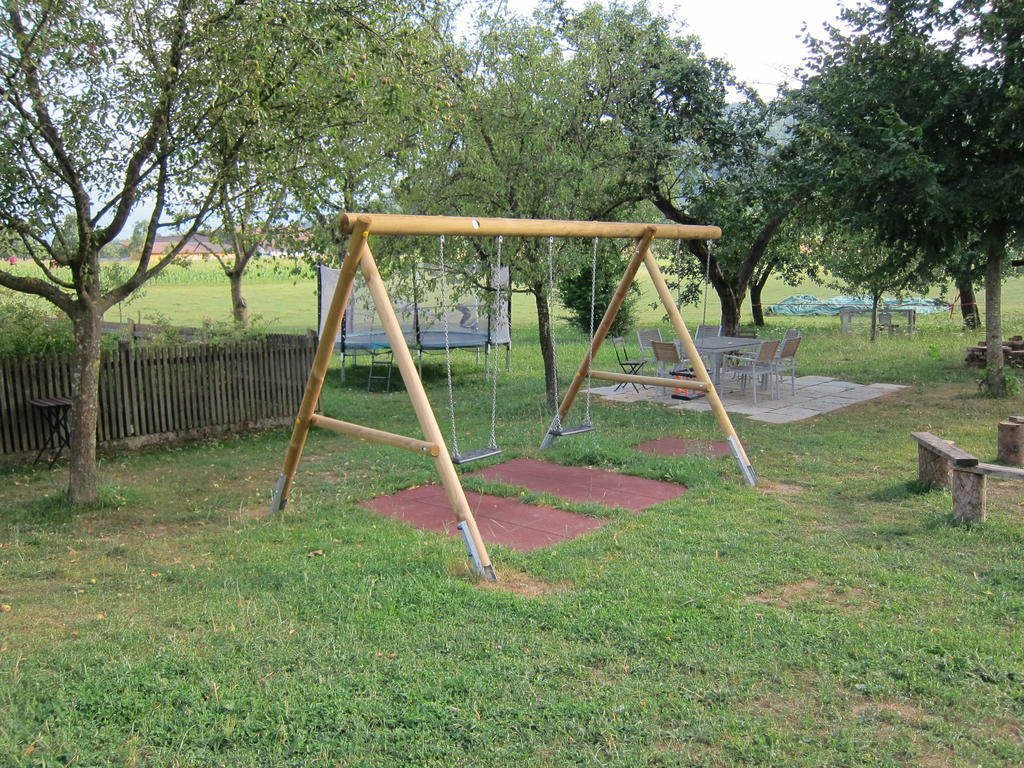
760	38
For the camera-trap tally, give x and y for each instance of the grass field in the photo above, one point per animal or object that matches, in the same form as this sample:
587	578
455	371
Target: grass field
834	616
189	295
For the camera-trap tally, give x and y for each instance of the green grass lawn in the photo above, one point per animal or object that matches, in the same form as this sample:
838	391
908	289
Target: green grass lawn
833	616
287	302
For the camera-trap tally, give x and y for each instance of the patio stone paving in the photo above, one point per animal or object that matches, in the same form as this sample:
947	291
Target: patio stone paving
814	396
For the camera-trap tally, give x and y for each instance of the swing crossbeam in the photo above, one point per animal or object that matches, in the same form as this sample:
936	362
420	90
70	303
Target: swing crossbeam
649	381
400	224
375	435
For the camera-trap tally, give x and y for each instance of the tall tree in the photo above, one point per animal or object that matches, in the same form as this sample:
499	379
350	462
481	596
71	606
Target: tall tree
703	149
523	134
112	108
337	131
919	105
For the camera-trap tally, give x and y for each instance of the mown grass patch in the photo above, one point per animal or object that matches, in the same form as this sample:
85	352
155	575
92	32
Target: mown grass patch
833	616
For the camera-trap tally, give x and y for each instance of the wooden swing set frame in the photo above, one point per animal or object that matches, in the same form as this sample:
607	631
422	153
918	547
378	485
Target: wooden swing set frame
359	226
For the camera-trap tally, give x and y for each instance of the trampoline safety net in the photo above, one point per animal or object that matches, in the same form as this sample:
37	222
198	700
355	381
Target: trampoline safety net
472	321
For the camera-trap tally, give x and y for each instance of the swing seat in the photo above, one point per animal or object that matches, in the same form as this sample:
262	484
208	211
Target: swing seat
579	429
481	453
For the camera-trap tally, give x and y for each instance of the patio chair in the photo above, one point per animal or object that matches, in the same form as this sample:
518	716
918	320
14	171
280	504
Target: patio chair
791	333
760	365
703	331
786	362
644	339
670	365
626	363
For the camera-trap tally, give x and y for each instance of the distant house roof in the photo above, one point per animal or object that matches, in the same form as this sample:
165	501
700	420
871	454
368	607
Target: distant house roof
196	245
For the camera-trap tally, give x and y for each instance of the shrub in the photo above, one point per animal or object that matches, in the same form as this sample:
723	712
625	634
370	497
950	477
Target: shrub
28	329
574	290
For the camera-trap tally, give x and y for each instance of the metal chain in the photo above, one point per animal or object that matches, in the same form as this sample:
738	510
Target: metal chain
493	354
707	280
593	299
443	300
551	325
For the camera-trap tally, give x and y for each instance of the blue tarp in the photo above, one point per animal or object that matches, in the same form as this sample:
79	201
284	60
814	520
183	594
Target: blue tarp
805	305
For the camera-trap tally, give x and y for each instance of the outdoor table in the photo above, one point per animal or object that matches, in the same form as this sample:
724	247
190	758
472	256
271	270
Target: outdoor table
718	346
54	411
909	318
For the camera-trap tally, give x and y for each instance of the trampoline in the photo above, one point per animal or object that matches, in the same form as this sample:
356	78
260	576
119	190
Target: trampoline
471	322
428	341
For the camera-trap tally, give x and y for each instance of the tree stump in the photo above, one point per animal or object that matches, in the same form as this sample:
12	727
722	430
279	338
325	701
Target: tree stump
968	495
1011	443
933	470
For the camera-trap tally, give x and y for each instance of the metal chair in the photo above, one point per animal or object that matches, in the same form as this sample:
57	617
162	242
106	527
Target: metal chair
644	339
786	362
670	365
763	364
628	365
791	333
703	331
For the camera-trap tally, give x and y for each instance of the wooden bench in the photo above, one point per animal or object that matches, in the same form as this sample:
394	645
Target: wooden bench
941	464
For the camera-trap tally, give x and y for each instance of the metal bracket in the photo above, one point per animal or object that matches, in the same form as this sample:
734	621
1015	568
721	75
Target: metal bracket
748	471
474	556
278	503
552	433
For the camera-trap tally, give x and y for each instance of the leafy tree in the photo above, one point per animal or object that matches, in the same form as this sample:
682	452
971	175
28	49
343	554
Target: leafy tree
335	127
703	149
919	106
575	289
856	263
111	108
523	134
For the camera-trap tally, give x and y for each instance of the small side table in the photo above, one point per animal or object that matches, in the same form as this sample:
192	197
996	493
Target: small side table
54	411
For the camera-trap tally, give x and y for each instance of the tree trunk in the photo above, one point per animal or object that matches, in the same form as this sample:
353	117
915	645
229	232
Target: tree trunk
874	315
993	309
239	306
968	303
85	379
547	346
731	303
756	309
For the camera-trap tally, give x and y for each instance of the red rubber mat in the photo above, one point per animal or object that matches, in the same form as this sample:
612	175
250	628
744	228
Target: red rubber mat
580	484
500	520
678	446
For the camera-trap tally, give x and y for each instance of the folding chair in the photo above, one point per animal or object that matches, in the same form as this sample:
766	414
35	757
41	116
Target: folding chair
628	365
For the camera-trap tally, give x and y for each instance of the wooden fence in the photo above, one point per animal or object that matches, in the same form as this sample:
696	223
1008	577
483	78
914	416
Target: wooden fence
156	394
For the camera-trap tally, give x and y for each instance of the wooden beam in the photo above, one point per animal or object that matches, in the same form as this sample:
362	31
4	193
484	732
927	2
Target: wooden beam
697	363
375	435
997	470
318	371
955	456
649	381
424	412
394	224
